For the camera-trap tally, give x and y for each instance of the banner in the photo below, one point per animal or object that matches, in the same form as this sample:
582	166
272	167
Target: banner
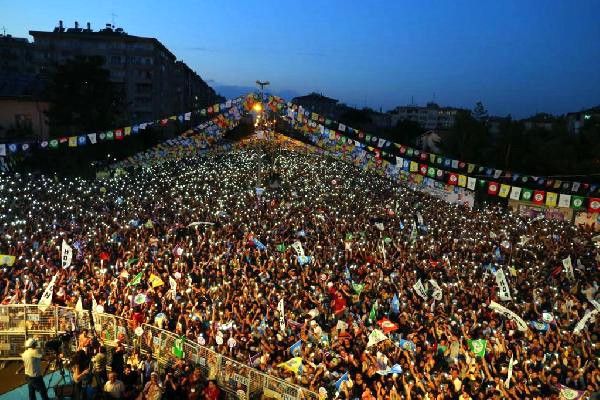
67	255
437	290
583	321
375	337
297	246
46	298
568	265
281	310
420	290
504	291
500	309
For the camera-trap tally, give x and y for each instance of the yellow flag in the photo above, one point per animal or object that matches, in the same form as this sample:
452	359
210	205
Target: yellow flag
127	130
551	199
216	108
504	190
155	281
414	167
73	141
462	180
293	364
6	259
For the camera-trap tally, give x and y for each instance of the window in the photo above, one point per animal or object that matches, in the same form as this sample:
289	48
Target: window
23	121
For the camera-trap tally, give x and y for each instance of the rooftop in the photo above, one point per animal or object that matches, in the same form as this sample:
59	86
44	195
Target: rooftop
109	32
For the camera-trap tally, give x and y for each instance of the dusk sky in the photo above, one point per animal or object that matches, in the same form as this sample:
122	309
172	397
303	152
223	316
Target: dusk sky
517	57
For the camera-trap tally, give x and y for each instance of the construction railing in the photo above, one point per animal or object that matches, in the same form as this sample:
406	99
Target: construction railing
20	322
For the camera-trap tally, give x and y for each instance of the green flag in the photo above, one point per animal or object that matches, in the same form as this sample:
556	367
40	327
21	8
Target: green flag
577	202
358	287
149	224
349	236
131	261
477	346
431	172
177	348
280	247
53	144
373	313
136	280
109	135
526	194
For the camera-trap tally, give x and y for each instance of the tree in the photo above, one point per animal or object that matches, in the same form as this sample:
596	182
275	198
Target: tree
468	139
479	112
82	98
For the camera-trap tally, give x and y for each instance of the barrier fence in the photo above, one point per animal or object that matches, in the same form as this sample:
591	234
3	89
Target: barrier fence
20	322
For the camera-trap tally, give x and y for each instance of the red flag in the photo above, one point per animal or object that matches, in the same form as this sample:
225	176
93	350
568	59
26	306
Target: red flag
402	149
423	156
386	325
538	197
423	169
104	256
594	205
493	188
119	134
452	178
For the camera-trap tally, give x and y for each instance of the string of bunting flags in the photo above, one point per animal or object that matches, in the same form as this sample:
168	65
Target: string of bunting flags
427	165
116	134
381	145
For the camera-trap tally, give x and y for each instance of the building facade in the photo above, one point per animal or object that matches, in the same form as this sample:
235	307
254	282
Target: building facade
432	116
576	120
154	82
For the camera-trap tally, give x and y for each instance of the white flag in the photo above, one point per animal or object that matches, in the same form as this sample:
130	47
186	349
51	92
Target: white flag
437	290
297	246
500	309
379	225
67	255
515	193
419	218
564	200
281	310
504	292
568	268
2	150
380	143
46	298
375	337
511	363
187	116
399	161
342	127
575	186
471	182
420	289
79	305
173	284
497	173
583	322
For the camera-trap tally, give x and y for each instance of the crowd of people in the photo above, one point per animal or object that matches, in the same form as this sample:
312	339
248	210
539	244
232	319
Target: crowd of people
307	268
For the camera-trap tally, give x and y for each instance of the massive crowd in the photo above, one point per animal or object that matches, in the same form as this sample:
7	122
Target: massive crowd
385	291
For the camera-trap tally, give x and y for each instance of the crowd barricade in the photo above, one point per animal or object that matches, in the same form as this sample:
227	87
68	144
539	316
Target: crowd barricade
19	322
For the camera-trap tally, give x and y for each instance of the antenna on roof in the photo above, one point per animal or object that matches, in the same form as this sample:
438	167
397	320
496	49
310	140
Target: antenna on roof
113	15
3	31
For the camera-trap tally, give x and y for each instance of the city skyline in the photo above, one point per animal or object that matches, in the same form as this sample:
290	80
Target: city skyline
516	58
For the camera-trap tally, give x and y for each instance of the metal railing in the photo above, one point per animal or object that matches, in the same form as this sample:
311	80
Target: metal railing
19	322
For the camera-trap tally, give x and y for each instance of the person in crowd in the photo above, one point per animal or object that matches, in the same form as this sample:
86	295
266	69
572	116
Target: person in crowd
32	359
114	388
81	370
